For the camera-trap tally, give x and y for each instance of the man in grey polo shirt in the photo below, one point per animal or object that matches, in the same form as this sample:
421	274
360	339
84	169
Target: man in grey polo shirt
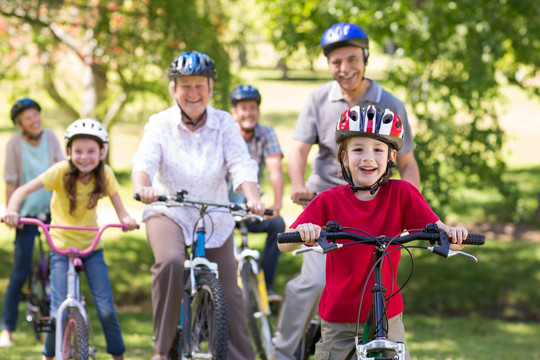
346	48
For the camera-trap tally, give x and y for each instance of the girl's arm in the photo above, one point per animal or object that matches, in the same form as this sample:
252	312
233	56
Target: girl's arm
456	233
309	233
12	210
123	215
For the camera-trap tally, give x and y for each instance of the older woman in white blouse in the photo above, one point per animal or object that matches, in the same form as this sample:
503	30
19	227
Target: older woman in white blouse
192	146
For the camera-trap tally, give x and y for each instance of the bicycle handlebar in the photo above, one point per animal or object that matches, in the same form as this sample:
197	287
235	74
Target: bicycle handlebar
70	251
181	198
332	231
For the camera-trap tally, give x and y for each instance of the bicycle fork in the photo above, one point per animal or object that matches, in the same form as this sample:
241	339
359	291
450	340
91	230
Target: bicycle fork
72	301
378	322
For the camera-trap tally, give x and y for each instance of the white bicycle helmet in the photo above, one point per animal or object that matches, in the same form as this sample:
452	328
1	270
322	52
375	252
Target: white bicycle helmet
87	128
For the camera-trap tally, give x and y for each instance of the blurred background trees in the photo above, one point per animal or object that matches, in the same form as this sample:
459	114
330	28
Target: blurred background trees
449	60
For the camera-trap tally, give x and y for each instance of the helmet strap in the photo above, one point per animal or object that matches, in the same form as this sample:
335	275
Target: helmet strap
190	121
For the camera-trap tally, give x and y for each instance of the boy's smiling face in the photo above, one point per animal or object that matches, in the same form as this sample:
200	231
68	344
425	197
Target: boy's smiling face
366	159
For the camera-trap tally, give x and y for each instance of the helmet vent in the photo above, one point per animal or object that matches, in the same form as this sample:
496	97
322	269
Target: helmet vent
387	118
353	115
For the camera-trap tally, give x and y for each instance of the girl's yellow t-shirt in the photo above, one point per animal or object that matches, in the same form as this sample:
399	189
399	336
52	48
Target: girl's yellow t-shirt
53	179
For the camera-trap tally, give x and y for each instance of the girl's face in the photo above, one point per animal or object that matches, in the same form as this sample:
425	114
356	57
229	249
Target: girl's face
366	158
86	154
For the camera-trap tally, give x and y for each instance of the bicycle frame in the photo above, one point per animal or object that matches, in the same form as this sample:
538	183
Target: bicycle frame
73	297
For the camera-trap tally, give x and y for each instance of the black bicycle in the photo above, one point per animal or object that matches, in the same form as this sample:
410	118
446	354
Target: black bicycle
37	294
374	343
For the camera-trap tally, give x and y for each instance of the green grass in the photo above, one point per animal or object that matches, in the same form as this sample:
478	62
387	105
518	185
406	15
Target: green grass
448	301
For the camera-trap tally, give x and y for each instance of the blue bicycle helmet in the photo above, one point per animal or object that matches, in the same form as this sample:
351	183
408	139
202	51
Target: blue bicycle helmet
192	63
344	34
22	105
244	92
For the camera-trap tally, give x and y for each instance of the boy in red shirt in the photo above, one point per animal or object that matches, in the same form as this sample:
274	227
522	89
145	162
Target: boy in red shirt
368	140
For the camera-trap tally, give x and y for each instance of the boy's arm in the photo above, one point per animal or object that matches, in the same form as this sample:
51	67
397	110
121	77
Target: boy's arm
123	215
16	199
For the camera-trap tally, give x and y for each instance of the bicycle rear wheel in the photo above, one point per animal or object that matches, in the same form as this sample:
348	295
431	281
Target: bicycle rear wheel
257	318
209	326
37	299
75	337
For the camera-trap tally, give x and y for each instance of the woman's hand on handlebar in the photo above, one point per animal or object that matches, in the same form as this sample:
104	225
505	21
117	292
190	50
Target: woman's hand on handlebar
147	194
256	206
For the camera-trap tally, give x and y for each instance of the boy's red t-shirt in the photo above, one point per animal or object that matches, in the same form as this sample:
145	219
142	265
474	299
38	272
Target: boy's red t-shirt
398	206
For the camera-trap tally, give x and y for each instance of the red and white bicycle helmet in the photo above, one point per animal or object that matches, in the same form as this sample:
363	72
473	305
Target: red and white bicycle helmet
87	128
371	122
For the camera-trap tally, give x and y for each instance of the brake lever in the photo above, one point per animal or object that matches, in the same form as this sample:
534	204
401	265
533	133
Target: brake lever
323	247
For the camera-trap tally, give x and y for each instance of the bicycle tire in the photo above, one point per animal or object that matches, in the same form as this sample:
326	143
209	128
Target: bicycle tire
177	346
258	323
306	347
209	325
75	337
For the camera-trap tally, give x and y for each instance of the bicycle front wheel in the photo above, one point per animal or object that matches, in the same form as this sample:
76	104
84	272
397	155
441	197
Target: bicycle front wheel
208	324
257	318
75	338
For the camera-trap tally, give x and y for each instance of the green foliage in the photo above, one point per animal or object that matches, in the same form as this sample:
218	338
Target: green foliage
121	48
446	61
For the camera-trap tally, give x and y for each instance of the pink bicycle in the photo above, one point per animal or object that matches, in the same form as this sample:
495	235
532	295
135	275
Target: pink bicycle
72	333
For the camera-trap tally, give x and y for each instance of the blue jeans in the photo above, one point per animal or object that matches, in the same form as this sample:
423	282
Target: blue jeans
270	254
22	260
100	286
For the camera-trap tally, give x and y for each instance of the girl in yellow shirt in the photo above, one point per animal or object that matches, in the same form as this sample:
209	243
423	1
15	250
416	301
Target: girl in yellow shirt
77	185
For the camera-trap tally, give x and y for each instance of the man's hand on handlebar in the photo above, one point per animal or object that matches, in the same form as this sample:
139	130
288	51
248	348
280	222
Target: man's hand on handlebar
456	234
301	195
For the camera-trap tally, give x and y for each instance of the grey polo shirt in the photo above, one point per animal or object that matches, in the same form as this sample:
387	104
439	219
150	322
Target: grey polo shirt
316	125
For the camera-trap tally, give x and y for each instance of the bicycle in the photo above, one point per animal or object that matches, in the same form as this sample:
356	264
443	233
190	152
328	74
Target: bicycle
254	287
37	295
374	343
73	335
204	307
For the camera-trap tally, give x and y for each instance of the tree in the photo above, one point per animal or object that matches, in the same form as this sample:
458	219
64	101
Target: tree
449	61
120	49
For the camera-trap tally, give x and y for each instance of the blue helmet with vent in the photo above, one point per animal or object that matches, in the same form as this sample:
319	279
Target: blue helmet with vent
192	63
344	34
244	92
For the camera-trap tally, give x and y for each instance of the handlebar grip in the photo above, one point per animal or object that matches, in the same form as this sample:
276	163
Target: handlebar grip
160	197
269	212
474	239
289	237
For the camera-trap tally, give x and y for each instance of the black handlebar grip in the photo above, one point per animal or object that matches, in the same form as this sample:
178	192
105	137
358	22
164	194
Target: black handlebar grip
474	239
160	197
268	212
289	238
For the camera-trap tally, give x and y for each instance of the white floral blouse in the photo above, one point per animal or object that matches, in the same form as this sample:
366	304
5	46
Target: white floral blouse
176	158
